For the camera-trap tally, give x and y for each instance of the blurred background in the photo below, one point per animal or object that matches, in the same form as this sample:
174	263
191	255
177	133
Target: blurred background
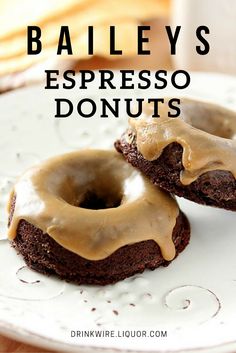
18	69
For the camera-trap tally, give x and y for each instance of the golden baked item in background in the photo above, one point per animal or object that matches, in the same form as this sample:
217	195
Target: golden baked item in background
101	47
15	15
77	15
19	69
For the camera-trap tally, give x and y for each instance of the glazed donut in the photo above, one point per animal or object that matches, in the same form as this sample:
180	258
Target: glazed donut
193	156
90	217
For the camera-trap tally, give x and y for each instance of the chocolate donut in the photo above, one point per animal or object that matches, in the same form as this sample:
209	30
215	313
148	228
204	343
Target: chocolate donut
89	217
193	156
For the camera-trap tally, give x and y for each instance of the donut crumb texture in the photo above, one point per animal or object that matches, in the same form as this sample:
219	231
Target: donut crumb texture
43	254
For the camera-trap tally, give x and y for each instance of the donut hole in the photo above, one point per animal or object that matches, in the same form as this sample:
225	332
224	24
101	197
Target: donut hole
99	193
93	201
211	118
98	184
214	128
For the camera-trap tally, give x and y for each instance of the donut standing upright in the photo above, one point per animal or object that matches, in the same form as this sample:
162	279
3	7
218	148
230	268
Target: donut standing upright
193	156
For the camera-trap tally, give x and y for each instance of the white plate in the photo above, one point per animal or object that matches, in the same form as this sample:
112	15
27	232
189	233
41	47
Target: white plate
193	299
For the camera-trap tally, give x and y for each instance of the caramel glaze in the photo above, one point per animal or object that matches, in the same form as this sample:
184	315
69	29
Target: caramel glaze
205	131
50	196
